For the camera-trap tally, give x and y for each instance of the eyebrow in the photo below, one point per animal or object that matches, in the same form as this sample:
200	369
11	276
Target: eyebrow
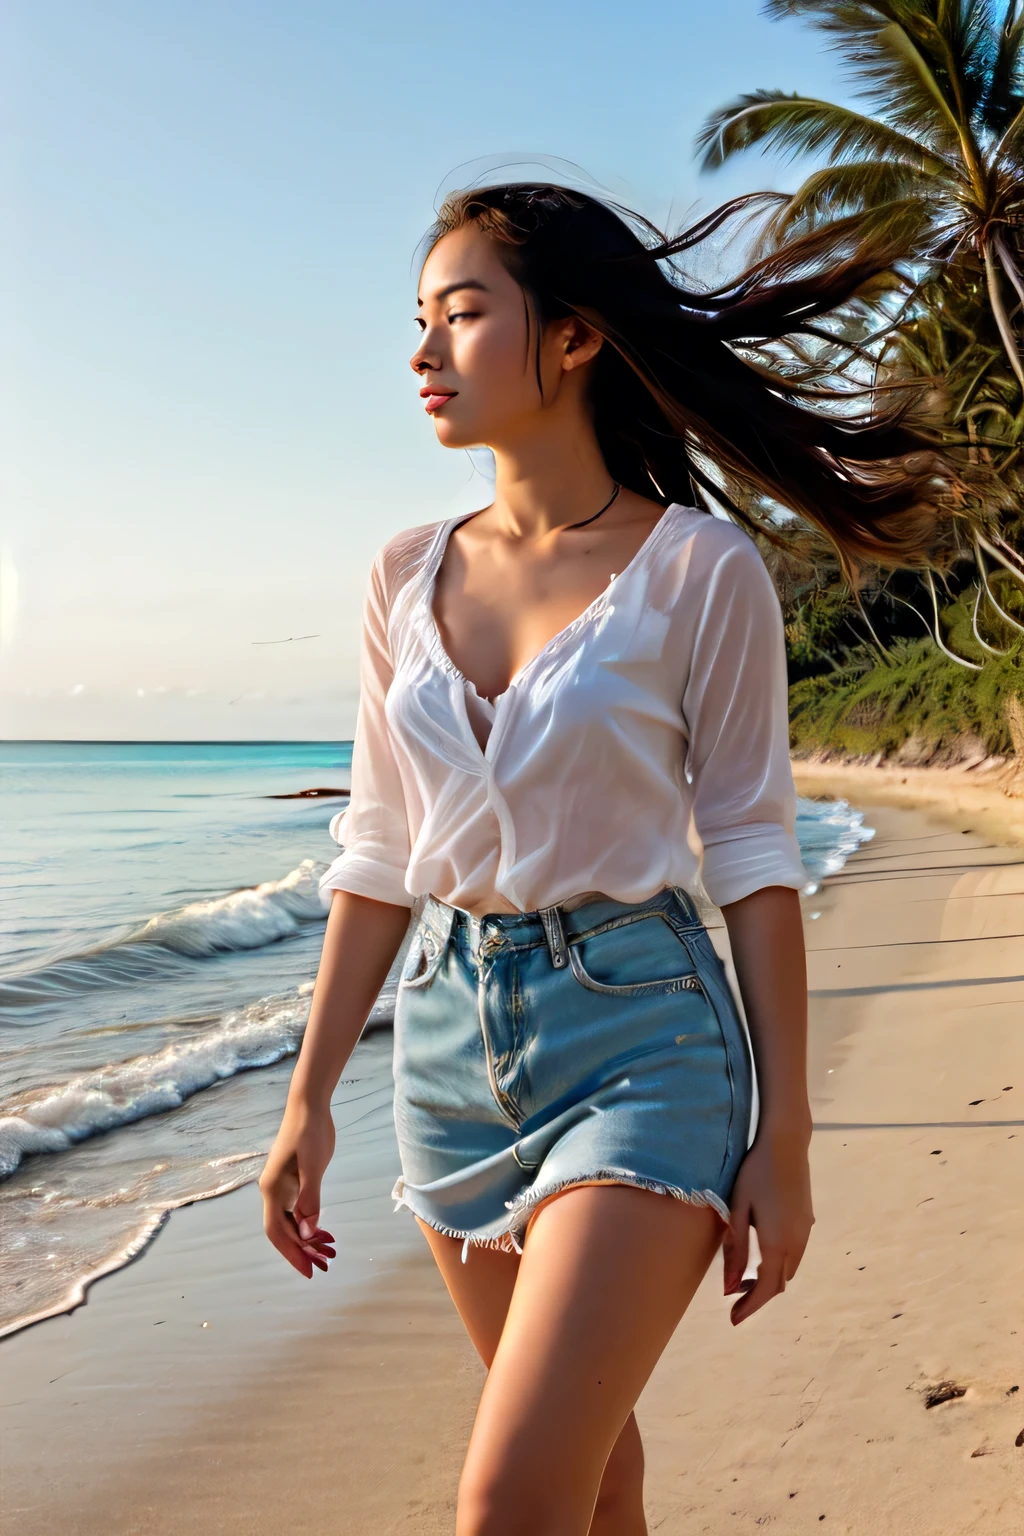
469	282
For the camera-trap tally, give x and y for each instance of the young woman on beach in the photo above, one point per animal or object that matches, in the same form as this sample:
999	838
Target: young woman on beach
573	708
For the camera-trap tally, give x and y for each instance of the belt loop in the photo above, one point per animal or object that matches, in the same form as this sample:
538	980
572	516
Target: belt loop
473	928
688	905
554	932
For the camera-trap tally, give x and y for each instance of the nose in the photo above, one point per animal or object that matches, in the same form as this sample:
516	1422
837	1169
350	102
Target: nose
424	358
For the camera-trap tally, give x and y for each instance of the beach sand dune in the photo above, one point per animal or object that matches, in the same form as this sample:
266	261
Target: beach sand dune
812	1416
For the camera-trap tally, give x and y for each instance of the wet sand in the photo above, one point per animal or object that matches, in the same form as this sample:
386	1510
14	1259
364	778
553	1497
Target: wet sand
343	1408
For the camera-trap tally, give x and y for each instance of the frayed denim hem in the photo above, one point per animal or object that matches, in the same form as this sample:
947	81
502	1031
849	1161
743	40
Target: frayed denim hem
523	1206
504	1242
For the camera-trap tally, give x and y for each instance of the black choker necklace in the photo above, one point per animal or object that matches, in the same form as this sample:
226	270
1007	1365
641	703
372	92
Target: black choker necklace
596	515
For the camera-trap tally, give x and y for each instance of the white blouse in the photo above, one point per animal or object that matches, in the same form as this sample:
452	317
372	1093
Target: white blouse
646	745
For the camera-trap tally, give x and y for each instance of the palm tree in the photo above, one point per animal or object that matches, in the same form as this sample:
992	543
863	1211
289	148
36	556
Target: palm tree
943	139
940	149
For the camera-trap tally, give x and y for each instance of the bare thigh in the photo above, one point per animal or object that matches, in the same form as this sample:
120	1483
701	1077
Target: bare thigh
482	1289
606	1273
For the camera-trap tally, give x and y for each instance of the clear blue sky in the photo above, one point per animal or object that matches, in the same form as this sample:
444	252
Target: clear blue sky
210	216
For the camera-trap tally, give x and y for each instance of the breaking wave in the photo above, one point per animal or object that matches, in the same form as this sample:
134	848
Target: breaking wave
52	1119
245	919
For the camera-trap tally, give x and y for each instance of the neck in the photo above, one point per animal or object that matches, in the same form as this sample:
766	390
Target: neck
552	479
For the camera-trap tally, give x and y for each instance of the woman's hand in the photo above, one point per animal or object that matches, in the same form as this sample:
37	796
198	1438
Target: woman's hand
290	1186
772	1194
361	940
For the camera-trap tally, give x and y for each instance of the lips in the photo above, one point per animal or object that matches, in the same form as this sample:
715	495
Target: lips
434	399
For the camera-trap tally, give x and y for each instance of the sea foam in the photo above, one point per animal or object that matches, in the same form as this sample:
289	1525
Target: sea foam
54	1119
828	831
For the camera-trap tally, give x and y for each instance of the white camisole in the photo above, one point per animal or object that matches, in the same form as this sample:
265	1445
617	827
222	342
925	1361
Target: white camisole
646	745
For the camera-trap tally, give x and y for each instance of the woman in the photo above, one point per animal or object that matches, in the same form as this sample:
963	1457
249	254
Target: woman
557	693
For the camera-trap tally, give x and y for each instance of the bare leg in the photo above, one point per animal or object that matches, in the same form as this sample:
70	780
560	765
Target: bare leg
482	1290
607	1272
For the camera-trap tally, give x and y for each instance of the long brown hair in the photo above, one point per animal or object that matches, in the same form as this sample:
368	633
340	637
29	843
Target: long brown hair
673	398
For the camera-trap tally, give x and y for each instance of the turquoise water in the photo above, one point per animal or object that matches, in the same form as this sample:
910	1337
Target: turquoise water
160	928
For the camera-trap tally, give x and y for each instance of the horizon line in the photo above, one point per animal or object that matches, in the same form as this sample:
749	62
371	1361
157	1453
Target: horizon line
174	741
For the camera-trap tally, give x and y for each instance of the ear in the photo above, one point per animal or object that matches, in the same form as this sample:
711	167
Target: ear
582	343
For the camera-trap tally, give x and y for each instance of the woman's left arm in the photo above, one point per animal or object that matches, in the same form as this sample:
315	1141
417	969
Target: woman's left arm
744	809
772	1192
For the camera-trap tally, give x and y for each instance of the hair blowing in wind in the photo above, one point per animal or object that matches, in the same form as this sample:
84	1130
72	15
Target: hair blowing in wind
687	378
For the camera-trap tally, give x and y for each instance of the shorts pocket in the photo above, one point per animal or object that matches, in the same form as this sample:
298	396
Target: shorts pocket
635	956
422	961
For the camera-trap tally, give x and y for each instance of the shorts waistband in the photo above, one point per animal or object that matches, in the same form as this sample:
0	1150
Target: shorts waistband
554	926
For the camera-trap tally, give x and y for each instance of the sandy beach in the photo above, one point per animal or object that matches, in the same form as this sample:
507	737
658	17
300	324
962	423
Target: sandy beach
962	798
295	1410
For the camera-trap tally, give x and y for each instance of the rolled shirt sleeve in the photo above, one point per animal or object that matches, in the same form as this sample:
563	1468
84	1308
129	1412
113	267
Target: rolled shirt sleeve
736	709
374	827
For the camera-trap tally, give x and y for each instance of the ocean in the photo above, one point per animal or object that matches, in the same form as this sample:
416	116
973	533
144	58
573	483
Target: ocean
160	927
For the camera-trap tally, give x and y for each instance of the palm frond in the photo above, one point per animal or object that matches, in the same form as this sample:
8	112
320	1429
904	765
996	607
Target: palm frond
802	125
1004	94
1011	146
875	238
980	363
850	187
938	151
961	36
899	58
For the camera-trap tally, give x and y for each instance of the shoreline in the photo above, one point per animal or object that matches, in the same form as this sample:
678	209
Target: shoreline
957	795
34	1292
346	1408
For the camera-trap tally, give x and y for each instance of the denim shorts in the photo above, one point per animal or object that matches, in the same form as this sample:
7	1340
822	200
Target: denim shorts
595	1043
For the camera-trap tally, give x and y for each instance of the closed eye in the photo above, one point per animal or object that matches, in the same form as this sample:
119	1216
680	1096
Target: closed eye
460	314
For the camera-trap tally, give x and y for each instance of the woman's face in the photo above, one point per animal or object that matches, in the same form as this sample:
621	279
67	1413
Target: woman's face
477	359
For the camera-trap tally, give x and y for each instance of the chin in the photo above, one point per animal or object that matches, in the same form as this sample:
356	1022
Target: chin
451	436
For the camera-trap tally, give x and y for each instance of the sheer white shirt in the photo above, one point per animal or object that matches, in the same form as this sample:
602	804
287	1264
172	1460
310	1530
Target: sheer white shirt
646	745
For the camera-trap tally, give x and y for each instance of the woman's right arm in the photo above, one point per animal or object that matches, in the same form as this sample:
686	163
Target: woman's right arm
362	939
369	916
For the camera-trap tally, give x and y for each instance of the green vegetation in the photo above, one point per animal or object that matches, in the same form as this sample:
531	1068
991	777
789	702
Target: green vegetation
917	702
939	150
